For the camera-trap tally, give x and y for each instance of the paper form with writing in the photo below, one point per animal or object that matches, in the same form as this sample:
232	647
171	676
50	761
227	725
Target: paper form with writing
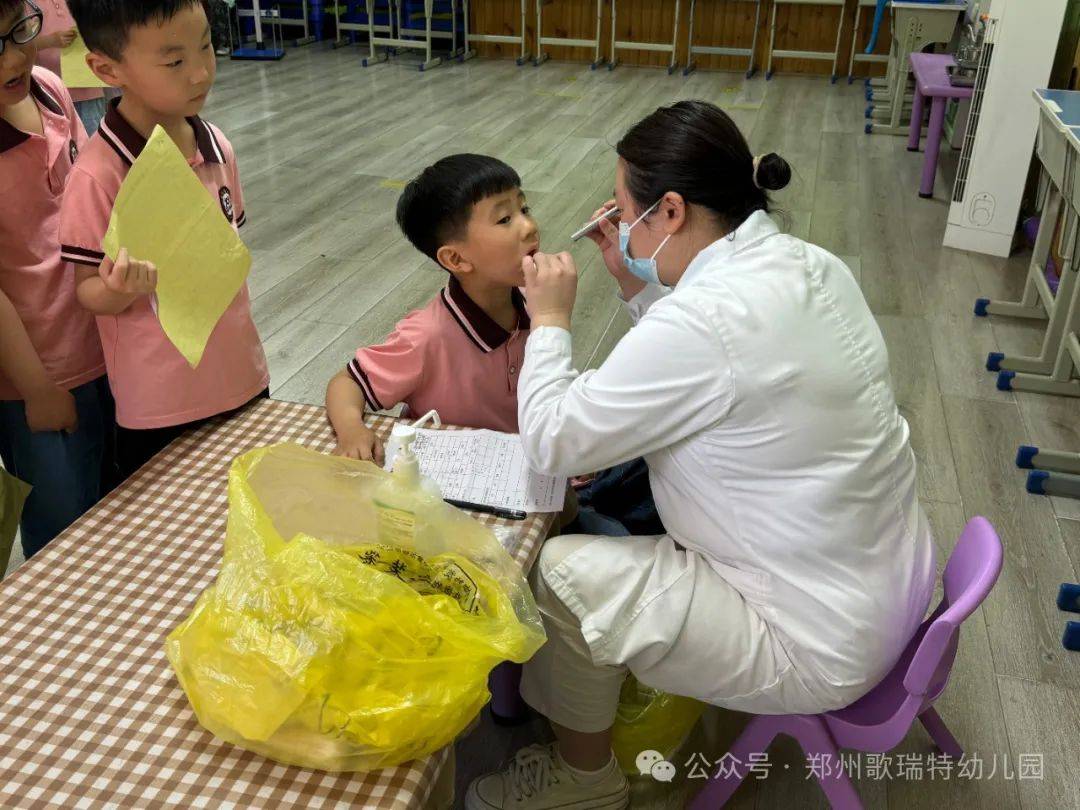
73	68
163	214
485	467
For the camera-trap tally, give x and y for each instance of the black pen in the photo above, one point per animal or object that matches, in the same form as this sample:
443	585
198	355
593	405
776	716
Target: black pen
509	514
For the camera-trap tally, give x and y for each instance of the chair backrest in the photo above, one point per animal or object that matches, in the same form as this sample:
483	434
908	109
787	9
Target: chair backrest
970	573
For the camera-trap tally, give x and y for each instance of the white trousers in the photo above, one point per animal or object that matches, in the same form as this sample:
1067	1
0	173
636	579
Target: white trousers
643	604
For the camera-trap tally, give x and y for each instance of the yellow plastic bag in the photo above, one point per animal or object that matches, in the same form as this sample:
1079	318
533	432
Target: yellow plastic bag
13	495
650	720
319	647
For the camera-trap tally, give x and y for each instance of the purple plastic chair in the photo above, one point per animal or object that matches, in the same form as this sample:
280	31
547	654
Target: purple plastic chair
879	720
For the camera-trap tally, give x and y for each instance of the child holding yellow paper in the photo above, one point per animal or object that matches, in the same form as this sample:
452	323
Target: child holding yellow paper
159	53
55	408
57	32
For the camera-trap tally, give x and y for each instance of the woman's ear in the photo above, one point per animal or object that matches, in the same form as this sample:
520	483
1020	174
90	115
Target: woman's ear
451	259
673	211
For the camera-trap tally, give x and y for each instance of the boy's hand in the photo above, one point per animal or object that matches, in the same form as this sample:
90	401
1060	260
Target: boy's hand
57	39
360	443
65	38
51	409
128	276
550	288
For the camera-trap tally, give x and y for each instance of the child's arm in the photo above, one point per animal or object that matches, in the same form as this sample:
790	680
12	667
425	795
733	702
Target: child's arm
48	406
345	409
112	287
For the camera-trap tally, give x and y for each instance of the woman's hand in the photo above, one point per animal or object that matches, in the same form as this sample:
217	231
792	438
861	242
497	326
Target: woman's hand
606	237
550	288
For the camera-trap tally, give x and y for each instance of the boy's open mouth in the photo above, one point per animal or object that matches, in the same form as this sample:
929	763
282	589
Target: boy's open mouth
12	84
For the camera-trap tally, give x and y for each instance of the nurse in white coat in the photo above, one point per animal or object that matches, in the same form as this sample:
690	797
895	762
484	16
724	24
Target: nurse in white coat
755	382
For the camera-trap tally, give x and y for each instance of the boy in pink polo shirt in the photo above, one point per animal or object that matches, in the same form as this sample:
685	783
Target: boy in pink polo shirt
159	53
55	408
462	353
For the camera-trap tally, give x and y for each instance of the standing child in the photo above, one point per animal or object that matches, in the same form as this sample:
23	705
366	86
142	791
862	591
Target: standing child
55	408
57	32
220	24
159	53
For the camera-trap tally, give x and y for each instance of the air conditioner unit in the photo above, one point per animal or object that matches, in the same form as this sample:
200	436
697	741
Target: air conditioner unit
1018	51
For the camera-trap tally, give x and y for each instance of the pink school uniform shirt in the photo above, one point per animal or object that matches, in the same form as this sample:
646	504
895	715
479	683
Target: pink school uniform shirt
40	284
57	17
450	357
151	381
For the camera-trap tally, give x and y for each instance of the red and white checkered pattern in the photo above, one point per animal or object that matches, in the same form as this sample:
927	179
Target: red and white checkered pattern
91	715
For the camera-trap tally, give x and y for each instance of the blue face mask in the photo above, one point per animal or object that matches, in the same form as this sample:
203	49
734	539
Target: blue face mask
645	269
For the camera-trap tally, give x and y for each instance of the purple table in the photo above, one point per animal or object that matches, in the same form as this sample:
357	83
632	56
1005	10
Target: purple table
931	81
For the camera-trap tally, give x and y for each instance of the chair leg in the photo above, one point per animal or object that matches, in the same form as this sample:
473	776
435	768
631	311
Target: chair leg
940	733
755	739
817	743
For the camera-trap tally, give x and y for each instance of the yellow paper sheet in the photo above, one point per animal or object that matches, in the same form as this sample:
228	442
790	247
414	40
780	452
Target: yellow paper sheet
163	214
73	68
13	494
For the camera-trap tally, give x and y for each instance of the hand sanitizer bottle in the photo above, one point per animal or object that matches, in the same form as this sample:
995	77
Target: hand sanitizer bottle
406	493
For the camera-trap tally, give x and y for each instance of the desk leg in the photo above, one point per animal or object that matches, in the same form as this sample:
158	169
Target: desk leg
933	145
916	121
507	707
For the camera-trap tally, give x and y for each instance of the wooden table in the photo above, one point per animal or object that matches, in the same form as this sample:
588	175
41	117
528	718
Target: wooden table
91	715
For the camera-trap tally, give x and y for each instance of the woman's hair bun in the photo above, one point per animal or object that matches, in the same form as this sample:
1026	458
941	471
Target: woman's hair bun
773	172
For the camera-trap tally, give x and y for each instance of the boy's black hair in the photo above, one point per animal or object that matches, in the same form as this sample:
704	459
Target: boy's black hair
8	6
104	24
436	206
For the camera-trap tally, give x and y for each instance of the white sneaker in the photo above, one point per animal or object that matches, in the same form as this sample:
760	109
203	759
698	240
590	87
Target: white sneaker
537	779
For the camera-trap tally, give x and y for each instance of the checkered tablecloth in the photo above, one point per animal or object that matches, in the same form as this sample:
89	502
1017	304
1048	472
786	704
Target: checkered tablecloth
91	714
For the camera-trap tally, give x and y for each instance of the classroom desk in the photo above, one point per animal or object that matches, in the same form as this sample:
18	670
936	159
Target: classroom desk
915	25
91	714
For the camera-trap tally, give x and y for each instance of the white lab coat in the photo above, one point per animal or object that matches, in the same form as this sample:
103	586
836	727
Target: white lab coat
758	392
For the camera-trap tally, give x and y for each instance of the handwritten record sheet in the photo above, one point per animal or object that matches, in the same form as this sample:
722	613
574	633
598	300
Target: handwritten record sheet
485	467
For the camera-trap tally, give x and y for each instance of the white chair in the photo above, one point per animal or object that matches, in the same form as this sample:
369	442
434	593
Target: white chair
504	39
273	18
833	55
594	43
857	54
343	26
693	50
423	37
656	47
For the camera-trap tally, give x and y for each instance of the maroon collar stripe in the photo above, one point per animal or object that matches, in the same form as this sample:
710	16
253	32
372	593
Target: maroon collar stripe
126	141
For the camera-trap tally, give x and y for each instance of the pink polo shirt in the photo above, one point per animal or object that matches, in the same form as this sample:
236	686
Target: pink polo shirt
40	284
151	381
449	356
57	17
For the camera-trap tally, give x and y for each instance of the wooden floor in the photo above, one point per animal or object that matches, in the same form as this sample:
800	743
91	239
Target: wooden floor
325	146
